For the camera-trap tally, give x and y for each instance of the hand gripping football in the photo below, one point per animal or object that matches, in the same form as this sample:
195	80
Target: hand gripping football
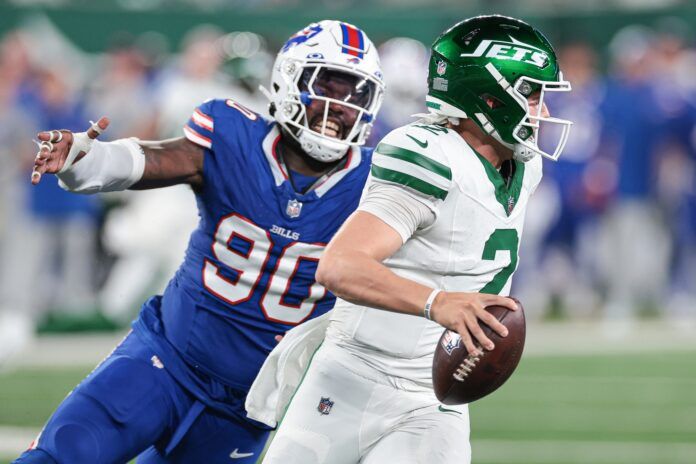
460	378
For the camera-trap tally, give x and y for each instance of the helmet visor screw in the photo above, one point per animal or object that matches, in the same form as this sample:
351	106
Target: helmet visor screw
525	89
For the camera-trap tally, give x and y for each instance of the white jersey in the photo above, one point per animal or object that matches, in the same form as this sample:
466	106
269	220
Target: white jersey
470	246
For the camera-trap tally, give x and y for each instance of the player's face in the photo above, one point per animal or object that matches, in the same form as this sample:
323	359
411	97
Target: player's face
339	87
533	101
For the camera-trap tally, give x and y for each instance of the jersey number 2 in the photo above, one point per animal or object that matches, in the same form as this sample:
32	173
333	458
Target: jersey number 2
501	240
248	260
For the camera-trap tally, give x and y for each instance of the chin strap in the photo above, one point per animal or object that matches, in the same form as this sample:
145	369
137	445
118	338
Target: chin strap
522	153
266	93
435	119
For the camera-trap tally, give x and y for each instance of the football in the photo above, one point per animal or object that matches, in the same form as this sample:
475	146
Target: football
460	378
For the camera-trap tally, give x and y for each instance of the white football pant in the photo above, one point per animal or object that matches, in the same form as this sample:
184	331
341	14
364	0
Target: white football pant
365	419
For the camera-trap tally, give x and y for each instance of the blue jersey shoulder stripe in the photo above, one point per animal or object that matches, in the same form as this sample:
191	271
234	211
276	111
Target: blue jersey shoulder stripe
200	127
194	135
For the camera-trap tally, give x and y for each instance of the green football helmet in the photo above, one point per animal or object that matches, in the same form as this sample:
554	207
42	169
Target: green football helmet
484	68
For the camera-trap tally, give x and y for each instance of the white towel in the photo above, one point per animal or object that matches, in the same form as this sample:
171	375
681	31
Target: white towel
283	370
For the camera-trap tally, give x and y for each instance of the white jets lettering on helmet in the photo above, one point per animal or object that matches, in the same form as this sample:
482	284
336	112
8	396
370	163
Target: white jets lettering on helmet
514	50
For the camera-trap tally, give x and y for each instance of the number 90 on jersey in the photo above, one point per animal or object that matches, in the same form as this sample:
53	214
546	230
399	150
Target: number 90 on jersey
247	250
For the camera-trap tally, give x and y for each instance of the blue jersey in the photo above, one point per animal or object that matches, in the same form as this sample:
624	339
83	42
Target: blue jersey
248	274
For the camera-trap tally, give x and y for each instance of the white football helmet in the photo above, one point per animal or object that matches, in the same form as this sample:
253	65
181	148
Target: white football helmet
307	68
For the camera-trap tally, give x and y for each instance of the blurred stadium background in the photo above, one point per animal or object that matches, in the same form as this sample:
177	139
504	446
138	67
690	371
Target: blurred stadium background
608	268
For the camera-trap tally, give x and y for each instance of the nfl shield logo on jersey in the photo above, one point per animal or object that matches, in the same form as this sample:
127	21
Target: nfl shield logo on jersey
325	405
293	209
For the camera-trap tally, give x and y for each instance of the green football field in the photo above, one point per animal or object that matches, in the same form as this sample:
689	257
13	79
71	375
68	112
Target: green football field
637	408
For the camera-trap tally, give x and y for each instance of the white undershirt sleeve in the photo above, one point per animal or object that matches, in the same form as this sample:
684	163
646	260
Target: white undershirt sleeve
398	208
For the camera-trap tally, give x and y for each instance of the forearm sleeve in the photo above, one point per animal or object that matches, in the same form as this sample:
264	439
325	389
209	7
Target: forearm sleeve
107	167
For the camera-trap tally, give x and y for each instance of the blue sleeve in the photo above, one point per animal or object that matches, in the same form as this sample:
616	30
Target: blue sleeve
221	120
230	135
200	127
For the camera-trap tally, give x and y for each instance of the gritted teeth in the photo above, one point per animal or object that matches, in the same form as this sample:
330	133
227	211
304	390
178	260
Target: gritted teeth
331	128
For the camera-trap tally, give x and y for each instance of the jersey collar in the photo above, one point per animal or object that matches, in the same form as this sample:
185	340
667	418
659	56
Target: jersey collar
280	175
270	143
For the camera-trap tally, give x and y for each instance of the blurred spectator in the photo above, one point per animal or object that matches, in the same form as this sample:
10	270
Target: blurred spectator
562	225
250	62
14	61
634	240
16	132
405	66
63	237
676	155
121	91
195	77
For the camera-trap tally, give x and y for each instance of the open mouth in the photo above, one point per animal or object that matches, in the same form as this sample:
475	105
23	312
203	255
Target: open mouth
332	128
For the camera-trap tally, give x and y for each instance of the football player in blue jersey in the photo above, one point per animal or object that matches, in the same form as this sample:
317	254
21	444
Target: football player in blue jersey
270	195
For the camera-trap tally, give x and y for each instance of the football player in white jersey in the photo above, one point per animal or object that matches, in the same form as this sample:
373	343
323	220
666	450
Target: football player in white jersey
433	243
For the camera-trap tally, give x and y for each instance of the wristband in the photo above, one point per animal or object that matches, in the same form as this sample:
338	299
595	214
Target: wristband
429	303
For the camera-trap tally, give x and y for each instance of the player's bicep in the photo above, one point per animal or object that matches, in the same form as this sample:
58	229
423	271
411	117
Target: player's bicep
170	162
365	233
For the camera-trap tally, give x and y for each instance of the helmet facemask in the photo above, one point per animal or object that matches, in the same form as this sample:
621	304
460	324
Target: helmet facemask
323	137
527	132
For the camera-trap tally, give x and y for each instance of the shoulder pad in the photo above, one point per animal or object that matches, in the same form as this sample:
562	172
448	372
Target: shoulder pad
200	128
413	156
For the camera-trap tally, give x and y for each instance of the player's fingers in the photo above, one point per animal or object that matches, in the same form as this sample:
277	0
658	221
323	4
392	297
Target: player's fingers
39	160
278	338
491	321
44	136
42	152
42	156
45	148
36	173
98	127
56	136
53	136
497	300
468	342
479	335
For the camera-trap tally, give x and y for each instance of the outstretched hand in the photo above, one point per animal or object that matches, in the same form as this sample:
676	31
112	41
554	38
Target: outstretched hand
54	149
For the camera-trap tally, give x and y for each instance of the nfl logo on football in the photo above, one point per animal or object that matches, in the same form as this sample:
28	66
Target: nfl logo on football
451	341
325	406
293	209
